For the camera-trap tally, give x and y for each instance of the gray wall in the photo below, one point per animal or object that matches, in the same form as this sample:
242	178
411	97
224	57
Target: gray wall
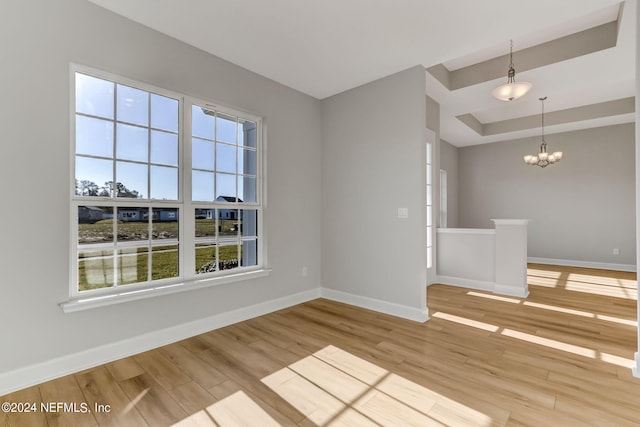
38	40
373	162
449	163
636	369
580	209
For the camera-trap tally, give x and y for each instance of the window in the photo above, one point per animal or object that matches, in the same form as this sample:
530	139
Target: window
224	178
166	189
443	198
429	181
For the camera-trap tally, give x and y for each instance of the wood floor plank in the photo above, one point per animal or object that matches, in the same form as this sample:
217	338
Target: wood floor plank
251	360
99	387
229	388
205	375
249	383
240	410
192	397
166	373
124	369
195	344
17	415
152	401
67	390
559	357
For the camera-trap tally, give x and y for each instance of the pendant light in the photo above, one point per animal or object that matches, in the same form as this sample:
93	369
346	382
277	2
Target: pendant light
511	90
543	159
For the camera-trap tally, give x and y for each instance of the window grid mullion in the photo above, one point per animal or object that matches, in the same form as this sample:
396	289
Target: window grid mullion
114	244
150	245
148	127
184	205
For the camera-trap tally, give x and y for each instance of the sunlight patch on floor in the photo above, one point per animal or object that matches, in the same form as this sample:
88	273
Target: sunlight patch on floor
599	289
534	339
629	322
237	409
543	273
558	345
542	281
560	309
466	322
581	313
602	280
334	387
597	283
494	297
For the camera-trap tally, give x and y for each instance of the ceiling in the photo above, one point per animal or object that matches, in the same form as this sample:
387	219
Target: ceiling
578	53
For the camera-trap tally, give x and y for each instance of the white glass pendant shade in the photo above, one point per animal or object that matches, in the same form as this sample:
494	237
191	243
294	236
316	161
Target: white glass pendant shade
511	91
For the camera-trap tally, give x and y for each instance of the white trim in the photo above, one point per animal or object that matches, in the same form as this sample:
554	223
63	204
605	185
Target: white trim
185	205
403	311
483	286
585	264
38	373
636	368
510	221
443	199
510	291
466	230
466	283
87	302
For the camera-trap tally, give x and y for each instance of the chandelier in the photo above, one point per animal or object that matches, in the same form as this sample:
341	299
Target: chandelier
511	90
543	159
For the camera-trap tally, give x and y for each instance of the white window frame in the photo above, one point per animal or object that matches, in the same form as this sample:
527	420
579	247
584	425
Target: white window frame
430	229
187	278
443	198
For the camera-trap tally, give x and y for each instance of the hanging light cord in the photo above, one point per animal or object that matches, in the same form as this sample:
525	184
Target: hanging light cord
511	73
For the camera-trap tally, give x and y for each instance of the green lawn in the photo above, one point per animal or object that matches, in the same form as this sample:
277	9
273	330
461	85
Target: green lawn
96	268
102	231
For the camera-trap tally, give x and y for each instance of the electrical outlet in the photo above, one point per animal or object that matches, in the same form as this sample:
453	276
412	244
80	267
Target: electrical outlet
616	251
305	271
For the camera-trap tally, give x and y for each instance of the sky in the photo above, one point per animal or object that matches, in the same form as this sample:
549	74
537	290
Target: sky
134	134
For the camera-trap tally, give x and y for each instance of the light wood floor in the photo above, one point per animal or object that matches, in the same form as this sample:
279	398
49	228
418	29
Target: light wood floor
561	357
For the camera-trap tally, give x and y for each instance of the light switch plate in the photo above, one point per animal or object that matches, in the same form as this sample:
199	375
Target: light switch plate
403	213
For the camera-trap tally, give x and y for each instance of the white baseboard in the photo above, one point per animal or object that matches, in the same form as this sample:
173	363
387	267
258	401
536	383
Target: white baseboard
636	367
478	285
585	264
65	365
510	291
403	311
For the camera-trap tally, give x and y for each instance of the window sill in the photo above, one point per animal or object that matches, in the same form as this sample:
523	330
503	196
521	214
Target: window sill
79	304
